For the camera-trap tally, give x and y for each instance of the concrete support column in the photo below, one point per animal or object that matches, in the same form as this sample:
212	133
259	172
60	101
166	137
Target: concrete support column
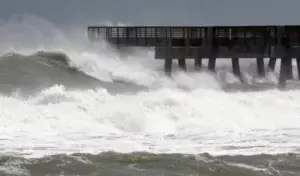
285	71
182	64
260	67
168	53
298	67
212	64
272	63
290	69
236	68
198	63
168	66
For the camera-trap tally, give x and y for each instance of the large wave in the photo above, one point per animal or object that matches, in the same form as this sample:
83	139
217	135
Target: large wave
27	37
189	113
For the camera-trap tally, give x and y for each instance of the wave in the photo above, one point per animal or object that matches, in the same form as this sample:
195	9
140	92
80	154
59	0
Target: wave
26	35
33	73
37	45
77	101
28	74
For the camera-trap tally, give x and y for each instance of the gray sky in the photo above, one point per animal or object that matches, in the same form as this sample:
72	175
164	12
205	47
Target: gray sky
158	12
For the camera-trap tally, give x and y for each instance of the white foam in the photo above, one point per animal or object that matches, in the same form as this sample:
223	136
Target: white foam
167	119
249	167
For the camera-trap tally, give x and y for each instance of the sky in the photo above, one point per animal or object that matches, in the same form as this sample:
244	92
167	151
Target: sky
157	12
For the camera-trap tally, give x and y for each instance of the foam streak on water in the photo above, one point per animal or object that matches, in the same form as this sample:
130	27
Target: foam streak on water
164	119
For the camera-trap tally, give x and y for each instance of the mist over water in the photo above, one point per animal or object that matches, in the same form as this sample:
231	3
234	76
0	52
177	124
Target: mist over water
92	99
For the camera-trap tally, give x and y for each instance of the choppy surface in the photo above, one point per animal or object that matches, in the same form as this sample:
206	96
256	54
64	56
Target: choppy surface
61	95
150	164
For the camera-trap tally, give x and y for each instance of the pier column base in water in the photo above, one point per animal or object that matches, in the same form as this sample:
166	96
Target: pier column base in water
290	69
260	67
198	63
298	67
272	63
182	64
168	66
212	64
236	68
285	71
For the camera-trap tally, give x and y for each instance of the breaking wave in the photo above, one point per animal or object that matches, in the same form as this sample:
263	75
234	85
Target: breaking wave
61	94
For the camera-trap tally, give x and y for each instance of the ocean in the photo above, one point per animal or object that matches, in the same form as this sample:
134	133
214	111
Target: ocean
69	107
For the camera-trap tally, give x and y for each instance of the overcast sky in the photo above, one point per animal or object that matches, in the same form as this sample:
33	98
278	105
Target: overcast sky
158	12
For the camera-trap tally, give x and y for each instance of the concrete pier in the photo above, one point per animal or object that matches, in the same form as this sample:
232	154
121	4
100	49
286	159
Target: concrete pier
212	42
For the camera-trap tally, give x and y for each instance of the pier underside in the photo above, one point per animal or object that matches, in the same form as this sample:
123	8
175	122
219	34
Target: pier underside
212	42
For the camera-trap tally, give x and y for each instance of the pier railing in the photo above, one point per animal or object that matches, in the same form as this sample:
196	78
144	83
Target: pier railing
199	36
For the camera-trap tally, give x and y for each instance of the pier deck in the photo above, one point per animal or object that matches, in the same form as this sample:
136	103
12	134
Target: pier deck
212	42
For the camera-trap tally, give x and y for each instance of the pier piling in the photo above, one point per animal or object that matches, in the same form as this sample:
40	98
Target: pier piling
212	64
236	67
260	67
272	63
182	64
168	66
289	68
285	71
198	63
282	74
298	67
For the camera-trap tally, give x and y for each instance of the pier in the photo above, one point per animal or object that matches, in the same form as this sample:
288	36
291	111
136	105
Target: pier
212	43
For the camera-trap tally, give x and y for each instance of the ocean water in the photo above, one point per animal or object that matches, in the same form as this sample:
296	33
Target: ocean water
69	107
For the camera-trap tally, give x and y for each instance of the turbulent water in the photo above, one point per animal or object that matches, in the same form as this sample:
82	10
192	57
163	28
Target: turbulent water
69	107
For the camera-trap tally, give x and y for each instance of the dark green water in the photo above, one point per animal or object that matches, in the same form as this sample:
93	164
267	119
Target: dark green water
115	164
